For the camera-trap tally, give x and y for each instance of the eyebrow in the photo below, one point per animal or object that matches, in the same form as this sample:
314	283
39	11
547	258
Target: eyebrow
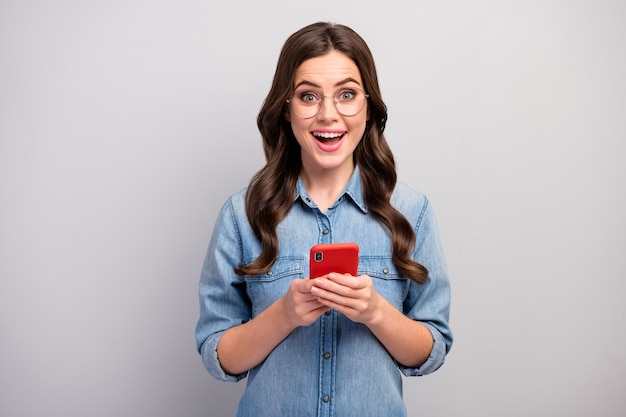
340	83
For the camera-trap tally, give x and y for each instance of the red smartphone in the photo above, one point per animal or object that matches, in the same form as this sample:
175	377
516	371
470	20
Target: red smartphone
342	258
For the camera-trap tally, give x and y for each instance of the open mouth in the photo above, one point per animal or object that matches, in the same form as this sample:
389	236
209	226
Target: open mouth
328	138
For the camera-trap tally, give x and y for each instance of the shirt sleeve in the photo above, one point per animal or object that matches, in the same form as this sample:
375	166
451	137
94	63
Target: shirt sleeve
223	300
430	303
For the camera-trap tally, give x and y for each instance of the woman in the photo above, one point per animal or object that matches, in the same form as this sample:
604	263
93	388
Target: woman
330	345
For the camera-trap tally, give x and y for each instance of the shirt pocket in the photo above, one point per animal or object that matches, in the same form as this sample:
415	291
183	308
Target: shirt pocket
387	279
265	289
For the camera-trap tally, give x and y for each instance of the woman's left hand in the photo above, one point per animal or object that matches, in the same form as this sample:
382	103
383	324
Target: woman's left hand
407	340
355	297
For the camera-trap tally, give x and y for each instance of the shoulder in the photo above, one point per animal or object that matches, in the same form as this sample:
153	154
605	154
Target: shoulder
408	200
414	205
233	209
232	221
236	201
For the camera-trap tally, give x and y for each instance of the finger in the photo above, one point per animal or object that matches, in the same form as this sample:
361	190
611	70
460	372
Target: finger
332	299
348	280
335	287
342	308
302	285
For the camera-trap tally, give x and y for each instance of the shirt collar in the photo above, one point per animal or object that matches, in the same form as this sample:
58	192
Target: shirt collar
352	190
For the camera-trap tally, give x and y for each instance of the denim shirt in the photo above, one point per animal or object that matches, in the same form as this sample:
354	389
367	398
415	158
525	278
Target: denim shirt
334	367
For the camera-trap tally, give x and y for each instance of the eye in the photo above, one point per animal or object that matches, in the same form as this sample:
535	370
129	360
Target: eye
308	97
346	95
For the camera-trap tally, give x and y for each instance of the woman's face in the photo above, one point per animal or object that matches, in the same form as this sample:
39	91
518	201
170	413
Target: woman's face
328	139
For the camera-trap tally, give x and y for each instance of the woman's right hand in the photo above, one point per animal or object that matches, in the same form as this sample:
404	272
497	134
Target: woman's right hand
245	346
301	306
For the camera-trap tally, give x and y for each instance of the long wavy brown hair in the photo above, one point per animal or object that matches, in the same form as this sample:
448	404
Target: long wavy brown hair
271	191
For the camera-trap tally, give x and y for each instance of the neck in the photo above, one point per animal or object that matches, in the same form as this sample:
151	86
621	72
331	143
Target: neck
325	186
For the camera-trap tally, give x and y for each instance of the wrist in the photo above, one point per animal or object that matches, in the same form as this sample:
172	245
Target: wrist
281	316
377	315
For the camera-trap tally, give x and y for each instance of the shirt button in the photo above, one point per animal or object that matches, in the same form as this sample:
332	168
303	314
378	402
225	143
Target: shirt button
270	273
325	398
326	355
385	271
325	231
327	312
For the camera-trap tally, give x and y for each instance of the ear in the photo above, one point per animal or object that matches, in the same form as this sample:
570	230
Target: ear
286	114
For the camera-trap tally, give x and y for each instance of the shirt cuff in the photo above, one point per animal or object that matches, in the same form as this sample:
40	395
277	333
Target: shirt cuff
435	359
212	363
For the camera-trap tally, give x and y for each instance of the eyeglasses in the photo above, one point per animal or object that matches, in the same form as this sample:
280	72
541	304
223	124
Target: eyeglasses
348	101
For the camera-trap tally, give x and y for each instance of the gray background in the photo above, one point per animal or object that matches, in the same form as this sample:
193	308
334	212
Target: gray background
125	124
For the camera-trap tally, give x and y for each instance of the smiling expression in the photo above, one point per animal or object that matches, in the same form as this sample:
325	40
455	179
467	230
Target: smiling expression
328	139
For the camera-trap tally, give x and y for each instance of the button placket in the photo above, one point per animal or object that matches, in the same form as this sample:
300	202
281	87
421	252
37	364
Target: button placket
327	361
328	330
323	222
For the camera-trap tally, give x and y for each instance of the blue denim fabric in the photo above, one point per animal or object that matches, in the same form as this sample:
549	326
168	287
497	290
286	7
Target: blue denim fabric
334	367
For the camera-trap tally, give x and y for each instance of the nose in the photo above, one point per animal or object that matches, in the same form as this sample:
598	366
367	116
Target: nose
328	109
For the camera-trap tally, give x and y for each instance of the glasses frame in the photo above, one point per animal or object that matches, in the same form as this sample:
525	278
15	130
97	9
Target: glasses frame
319	106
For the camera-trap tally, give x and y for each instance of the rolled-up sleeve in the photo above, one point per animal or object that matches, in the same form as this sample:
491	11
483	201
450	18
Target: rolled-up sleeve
430	303
223	300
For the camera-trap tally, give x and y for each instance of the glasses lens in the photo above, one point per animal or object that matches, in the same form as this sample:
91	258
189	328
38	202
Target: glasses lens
306	104
350	101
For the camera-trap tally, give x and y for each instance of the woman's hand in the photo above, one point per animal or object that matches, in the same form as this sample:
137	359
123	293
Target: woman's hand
408	341
300	305
355	297
245	346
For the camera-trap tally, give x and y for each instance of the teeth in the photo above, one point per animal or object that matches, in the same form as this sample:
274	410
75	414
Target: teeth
327	135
